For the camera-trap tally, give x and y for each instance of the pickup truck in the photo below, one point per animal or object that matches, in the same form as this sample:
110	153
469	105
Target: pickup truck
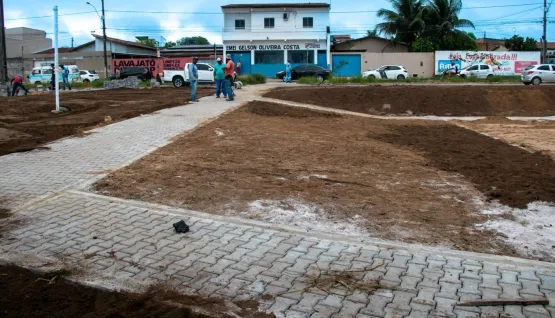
181	78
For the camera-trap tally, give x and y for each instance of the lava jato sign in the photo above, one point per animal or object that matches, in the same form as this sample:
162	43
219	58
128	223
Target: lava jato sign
502	63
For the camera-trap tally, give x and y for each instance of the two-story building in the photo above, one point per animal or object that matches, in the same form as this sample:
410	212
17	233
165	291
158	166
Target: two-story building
265	36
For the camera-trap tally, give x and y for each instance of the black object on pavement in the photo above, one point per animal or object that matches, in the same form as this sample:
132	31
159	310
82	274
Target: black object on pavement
181	227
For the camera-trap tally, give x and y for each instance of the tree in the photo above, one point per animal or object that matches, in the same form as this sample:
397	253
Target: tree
198	40
423	44
442	16
373	33
170	44
518	43
405	22
149	42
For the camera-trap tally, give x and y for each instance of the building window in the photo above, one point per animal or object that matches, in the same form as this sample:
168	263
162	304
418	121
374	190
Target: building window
239	24
308	22
269	23
301	56
268	57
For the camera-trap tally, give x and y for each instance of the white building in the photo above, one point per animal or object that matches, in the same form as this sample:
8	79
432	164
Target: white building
264	36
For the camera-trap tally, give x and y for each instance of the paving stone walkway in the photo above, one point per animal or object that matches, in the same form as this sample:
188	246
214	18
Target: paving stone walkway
121	243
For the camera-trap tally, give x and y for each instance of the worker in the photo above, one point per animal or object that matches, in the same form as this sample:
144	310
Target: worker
219	75
288	69
65	77
238	68
17	82
229	71
193	79
53	79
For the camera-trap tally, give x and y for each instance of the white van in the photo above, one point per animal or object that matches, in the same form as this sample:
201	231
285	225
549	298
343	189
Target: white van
43	74
180	78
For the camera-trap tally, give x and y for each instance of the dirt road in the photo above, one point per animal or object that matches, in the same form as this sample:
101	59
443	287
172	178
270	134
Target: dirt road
27	122
428	100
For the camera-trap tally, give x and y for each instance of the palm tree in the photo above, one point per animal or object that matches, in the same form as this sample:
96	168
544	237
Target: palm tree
404	23
443	16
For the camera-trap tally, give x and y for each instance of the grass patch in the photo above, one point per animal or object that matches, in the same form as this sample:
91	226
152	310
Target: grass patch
252	79
455	79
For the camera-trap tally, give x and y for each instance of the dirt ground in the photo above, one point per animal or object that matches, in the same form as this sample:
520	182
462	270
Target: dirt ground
532	135
26	294
395	180
428	100
27	122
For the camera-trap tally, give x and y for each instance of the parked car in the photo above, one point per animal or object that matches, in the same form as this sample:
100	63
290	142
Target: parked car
88	76
481	71
306	71
43	74
387	72
537	74
180	78
142	73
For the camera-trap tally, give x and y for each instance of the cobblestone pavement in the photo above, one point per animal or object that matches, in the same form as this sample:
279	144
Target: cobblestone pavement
119	243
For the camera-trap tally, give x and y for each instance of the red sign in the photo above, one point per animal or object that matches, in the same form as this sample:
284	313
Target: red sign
153	64
521	65
176	64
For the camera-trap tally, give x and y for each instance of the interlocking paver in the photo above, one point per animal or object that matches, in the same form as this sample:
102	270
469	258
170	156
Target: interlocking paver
229	259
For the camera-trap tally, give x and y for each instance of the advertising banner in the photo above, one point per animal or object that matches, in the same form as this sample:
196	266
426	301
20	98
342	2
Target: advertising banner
503	63
176	64
153	64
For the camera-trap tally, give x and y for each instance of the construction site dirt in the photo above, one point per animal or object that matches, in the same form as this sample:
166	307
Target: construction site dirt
438	100
27	294
27	122
413	181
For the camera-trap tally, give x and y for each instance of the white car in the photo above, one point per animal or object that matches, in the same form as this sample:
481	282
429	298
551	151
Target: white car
537	74
180	78
387	72
88	76
479	71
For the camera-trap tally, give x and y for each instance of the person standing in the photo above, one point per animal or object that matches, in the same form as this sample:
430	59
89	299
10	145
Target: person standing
193	79
288	69
53	79
238	68
219	75
16	83
229	70
65	77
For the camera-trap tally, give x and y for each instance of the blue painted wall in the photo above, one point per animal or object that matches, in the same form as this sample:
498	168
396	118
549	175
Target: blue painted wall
245	58
322	60
346	65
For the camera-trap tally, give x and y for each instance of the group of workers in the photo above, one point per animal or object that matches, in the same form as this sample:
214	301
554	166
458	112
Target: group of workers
223	73
17	81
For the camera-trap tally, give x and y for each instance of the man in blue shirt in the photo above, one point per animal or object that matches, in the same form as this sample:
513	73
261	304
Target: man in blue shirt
288	69
193	79
65	77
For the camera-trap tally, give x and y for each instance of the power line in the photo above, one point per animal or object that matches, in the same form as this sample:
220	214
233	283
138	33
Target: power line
49	16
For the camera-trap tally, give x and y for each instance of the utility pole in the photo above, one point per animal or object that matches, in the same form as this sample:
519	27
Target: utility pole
104	34
22	64
3	59
72	43
544	50
486	41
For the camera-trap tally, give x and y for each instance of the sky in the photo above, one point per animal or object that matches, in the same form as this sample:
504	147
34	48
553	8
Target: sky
174	19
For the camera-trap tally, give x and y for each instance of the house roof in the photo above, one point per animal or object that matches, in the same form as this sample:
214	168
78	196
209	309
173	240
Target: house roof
123	42
64	49
276	5
489	40
371	37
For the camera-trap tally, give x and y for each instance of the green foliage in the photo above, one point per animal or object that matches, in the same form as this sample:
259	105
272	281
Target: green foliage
190	40
148	42
97	84
252	79
170	44
427	25
518	43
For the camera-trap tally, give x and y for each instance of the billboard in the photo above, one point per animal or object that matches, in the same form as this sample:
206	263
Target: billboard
503	63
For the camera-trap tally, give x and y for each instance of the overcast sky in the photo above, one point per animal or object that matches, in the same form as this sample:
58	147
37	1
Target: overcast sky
174	19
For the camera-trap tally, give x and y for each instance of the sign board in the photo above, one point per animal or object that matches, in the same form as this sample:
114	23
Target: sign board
503	63
274	46
153	64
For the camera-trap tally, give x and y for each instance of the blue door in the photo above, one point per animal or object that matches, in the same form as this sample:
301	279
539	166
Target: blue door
322	60
346	64
245	58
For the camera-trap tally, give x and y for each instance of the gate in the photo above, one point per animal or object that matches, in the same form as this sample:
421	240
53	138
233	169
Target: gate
245	58
346	64
322	59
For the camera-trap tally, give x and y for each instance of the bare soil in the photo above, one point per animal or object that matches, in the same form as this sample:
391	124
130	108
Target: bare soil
26	294
428	100
389	179
532	135
27	122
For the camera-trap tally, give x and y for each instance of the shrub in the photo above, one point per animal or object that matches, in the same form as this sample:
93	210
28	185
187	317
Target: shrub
252	79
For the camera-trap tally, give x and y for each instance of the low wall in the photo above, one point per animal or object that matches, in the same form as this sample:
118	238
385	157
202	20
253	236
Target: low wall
422	64
130	82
